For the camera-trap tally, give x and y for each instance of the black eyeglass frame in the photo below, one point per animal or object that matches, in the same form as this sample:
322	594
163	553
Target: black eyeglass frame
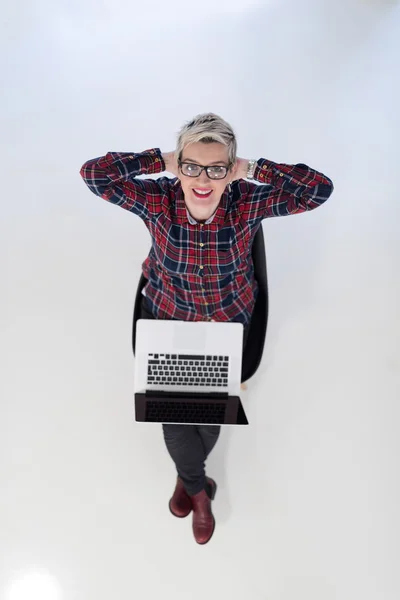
184	162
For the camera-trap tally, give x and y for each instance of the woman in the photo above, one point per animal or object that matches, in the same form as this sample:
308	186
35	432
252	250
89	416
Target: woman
202	224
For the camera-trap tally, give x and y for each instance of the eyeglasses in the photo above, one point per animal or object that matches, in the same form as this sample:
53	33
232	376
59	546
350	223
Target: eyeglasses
214	172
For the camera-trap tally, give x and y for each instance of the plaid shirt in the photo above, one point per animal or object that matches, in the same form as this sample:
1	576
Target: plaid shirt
202	271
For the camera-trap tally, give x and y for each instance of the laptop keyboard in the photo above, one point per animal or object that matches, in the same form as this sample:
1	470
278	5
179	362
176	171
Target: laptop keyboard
188	370
185	412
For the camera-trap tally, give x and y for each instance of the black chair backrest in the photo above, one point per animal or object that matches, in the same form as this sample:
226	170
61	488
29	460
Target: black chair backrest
258	325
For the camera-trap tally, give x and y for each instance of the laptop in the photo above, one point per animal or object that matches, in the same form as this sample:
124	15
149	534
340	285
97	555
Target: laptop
188	372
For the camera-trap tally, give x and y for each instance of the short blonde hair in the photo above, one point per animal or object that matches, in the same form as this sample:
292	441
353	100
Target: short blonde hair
207	128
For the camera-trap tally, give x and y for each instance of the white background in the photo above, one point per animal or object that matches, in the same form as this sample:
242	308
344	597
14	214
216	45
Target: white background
307	507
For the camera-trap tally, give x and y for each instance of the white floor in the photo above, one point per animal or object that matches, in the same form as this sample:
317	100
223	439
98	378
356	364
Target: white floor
307	507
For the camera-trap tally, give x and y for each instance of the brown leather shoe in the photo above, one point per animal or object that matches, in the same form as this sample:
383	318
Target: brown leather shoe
180	504
203	519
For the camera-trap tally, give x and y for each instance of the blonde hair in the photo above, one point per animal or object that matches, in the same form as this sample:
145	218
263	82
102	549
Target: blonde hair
207	128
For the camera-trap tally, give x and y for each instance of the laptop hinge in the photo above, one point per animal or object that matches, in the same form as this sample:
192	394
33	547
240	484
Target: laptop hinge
171	394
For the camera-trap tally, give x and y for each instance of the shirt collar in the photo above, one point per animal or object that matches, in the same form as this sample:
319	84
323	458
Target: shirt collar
194	222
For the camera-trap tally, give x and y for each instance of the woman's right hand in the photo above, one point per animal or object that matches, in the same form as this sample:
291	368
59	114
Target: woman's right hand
171	164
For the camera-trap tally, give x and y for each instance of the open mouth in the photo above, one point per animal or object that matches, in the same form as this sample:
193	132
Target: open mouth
202	193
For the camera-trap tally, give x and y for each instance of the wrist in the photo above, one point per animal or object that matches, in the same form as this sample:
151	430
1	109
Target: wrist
241	170
250	168
170	162
245	167
166	156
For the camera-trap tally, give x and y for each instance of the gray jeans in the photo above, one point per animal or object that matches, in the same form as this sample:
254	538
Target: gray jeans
190	445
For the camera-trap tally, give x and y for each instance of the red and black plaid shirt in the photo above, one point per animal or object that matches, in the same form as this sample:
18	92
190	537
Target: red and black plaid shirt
201	271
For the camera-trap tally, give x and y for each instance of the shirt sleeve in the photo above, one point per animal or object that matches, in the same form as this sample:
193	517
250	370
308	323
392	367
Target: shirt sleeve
113	177
286	190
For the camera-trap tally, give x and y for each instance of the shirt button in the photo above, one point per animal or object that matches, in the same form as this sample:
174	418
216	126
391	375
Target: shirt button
201	267
205	303
201	245
130	156
280	174
265	168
